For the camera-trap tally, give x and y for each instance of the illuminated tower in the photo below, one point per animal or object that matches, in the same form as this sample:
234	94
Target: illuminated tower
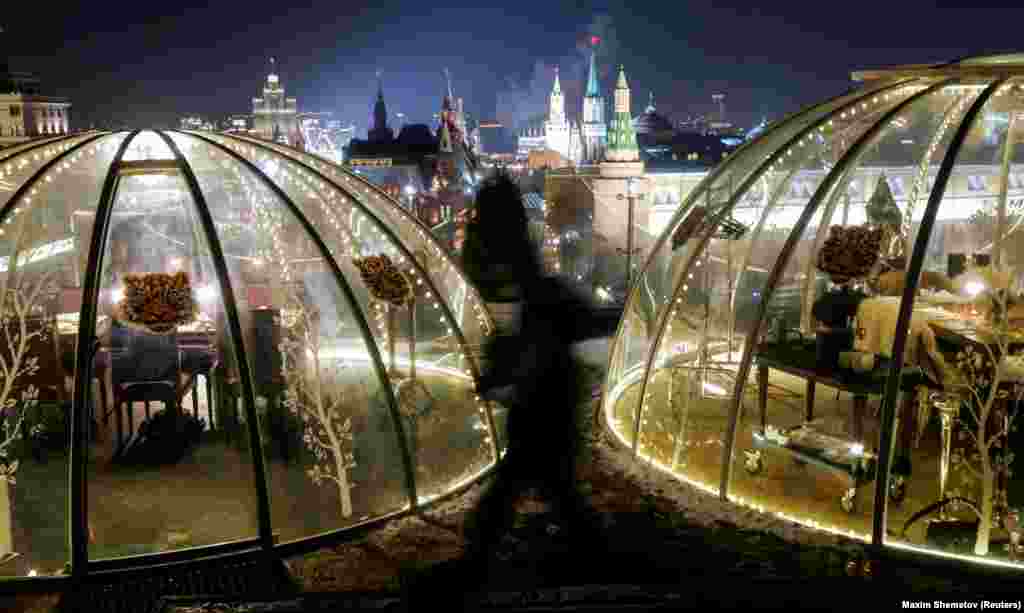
621	137
557	127
275	116
595	130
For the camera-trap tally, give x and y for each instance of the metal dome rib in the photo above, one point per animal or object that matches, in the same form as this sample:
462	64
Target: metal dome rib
722	214
456	325
350	299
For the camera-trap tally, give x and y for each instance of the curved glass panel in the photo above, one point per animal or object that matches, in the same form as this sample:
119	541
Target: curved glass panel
955	434
329	440
13	150
462	299
163	474
805	452
41	249
653	294
147	145
20	168
993	60
445	424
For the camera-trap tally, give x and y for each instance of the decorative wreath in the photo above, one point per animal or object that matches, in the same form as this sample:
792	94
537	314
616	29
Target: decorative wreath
384	280
157	302
850	252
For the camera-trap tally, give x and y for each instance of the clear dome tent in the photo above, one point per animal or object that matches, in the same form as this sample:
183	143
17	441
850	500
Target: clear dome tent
278	353
728	371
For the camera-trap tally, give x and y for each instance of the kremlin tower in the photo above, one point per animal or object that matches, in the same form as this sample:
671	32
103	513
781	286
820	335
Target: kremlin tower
557	126
622	145
594	129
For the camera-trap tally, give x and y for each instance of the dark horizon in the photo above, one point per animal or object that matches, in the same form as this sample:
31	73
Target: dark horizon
135	65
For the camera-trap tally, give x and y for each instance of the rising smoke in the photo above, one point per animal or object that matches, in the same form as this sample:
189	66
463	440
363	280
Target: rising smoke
523	104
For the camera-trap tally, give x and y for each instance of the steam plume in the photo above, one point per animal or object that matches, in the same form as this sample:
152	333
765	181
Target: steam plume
523	104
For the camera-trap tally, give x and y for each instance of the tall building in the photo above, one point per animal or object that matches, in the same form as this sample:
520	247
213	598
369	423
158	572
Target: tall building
275	117
380	132
621	146
26	113
594	128
557	126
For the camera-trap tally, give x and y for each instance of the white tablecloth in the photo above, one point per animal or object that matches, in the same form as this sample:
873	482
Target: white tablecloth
876	331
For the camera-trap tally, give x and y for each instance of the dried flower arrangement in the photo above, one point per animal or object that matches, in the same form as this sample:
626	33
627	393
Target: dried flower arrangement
384	280
850	252
157	302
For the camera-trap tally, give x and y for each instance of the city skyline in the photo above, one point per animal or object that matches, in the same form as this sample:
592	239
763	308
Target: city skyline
211	61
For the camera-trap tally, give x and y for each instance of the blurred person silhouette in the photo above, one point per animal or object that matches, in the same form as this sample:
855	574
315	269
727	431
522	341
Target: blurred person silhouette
531	369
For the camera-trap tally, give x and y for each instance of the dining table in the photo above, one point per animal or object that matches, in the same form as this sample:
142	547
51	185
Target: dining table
197	356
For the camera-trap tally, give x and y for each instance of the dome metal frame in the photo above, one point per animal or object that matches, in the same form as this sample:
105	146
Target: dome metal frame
263	546
921	81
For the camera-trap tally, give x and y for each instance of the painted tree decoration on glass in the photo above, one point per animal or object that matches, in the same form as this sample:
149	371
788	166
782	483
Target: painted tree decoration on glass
989	386
319	390
22	336
318	394
157	302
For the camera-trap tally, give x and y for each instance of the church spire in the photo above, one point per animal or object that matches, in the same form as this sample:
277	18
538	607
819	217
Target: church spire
380	131
557	89
448	82
380	109
650	103
593	91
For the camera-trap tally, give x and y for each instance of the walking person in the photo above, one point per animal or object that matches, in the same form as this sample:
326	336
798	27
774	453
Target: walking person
534	373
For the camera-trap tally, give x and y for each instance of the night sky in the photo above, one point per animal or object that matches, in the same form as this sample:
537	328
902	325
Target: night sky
148	63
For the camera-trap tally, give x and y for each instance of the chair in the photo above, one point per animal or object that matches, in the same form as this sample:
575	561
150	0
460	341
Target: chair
144	368
199	356
262	341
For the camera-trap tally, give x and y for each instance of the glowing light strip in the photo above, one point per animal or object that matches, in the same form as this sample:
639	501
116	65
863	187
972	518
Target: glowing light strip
952	556
42	252
361	356
737	500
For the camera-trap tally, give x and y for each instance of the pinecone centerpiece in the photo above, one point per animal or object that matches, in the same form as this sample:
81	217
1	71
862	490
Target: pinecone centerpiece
156	302
850	252
384	280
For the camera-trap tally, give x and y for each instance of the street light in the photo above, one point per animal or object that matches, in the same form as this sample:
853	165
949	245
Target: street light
632	194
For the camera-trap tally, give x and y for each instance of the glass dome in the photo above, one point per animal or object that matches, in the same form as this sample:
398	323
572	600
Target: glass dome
744	368
277	353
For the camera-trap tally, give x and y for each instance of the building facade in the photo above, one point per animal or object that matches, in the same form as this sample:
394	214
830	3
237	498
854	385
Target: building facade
25	112
275	116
